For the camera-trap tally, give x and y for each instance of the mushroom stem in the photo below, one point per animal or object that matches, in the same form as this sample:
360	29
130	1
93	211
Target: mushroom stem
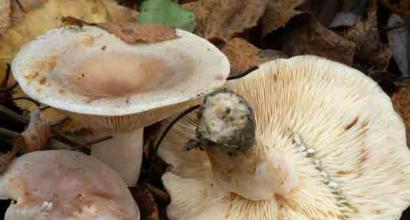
254	174
241	163
123	153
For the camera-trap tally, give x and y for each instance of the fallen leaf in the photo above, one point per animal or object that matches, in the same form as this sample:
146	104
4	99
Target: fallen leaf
146	203
401	103
399	40
243	55
222	19
401	7
166	12
308	36
369	47
278	13
36	134
134	32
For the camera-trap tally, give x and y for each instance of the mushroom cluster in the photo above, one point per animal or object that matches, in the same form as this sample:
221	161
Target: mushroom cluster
116	88
298	138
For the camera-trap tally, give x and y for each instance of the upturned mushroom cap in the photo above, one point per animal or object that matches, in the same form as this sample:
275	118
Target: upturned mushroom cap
90	72
336	124
66	185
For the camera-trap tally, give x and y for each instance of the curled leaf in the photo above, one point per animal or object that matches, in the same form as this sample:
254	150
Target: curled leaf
308	36
278	13
222	19
369	47
243	55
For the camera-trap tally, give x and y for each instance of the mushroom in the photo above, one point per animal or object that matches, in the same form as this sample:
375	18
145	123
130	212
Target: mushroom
117	88
325	144
62	184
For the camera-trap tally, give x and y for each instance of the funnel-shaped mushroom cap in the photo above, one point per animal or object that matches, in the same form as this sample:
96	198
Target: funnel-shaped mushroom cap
61	184
90	71
336	124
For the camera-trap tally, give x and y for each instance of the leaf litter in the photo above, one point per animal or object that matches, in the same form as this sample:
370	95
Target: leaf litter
366	34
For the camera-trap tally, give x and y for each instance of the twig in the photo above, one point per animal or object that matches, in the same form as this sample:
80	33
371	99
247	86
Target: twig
13	115
26	99
8	133
56	134
172	124
91	143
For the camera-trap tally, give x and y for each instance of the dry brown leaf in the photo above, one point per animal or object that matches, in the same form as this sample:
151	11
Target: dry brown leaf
134	32
36	134
222	19
146	203
5	13
278	13
308	36
243	55
401	102
401	7
369	48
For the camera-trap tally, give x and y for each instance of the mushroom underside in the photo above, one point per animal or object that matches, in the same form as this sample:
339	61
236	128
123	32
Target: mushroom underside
348	145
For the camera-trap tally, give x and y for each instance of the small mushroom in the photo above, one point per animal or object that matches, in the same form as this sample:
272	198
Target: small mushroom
326	144
65	185
117	88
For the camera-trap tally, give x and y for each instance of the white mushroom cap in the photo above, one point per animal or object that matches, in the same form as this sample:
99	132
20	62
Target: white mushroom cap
65	185
346	141
91	72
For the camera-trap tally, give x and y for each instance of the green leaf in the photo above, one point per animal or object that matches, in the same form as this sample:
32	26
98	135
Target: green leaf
166	12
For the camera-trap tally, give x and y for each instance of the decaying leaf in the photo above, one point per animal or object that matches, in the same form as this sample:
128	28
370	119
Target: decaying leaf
399	40
278	13
401	7
134	32
43	15
5	13
36	134
222	19
146	203
369	47
308	36
401	102
166	12
243	55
